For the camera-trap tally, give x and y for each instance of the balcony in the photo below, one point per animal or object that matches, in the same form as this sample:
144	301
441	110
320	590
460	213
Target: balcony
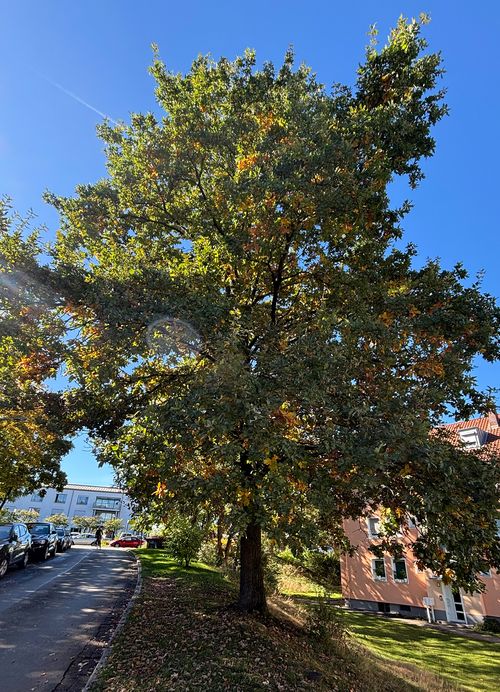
107	505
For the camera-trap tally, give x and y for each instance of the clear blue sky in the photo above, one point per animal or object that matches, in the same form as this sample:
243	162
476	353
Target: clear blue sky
100	52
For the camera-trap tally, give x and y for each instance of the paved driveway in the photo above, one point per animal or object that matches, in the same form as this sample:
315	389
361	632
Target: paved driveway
56	616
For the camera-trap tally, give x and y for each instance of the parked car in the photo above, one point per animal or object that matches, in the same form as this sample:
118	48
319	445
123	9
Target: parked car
155	541
15	545
127	542
83	539
64	540
43	539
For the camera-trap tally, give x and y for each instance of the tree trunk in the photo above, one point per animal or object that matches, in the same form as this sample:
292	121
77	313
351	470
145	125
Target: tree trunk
252	593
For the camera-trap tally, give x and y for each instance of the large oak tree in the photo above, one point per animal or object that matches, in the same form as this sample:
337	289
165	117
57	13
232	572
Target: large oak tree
248	331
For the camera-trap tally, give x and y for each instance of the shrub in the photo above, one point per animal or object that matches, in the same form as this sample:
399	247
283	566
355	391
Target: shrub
489	625
184	540
208	553
325	622
323	566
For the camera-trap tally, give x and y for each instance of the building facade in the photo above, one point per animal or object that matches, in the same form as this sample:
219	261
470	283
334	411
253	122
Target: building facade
78	500
397	586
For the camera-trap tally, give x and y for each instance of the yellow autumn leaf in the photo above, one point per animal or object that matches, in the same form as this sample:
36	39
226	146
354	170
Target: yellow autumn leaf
161	489
272	462
244	496
387	318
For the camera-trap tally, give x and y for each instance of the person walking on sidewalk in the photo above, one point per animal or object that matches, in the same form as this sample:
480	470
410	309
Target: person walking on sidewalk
98	536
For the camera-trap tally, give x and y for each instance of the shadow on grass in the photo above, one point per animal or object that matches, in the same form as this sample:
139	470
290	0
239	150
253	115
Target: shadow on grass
471	663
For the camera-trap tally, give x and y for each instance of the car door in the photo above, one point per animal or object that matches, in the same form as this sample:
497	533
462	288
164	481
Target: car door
16	543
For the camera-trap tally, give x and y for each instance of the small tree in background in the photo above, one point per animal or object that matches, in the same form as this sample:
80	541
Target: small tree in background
58	519
25	515
111	526
86	523
6	516
184	539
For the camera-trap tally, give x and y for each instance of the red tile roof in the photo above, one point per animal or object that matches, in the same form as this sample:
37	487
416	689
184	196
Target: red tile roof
489	424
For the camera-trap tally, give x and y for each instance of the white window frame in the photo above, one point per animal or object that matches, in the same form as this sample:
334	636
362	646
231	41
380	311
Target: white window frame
36	497
470	438
79	500
375	576
370	532
61	502
396	580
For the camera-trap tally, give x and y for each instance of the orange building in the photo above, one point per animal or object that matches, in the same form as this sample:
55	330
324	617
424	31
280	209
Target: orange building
398	586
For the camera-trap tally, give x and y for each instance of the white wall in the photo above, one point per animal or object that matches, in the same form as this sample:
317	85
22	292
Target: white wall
71	507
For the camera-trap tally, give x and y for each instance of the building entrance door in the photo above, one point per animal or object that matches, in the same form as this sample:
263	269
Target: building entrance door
455	611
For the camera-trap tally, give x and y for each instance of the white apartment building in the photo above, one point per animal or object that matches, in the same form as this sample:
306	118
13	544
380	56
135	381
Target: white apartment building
78	500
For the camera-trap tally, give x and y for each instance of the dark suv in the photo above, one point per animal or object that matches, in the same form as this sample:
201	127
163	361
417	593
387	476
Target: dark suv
15	544
64	541
43	539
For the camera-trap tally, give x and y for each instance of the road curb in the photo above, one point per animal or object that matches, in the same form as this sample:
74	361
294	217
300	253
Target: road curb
118	629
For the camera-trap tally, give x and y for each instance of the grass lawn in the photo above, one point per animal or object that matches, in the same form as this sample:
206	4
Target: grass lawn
475	665
292	583
183	634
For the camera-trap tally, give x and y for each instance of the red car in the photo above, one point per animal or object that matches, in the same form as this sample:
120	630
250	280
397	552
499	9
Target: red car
127	542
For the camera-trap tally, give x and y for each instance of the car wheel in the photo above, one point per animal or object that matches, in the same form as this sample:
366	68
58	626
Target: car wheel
54	550
46	553
24	561
3	566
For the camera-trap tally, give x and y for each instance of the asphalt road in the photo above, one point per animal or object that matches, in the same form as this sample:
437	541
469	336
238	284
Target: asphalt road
56	617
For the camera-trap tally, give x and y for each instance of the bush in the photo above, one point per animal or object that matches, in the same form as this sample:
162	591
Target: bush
323	566
488	625
208	553
325	622
320	566
184	540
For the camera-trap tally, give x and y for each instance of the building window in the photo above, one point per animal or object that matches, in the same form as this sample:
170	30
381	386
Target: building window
36	497
378	570
470	438
35	509
405	608
106	503
104	516
399	571
374	527
61	498
383	607
57	510
82	500
486	574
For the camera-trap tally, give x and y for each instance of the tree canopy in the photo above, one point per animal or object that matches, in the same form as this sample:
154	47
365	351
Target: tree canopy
32	425
247	329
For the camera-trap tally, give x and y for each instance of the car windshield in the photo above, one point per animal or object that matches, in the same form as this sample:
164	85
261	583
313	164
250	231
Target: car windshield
39	529
5	532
